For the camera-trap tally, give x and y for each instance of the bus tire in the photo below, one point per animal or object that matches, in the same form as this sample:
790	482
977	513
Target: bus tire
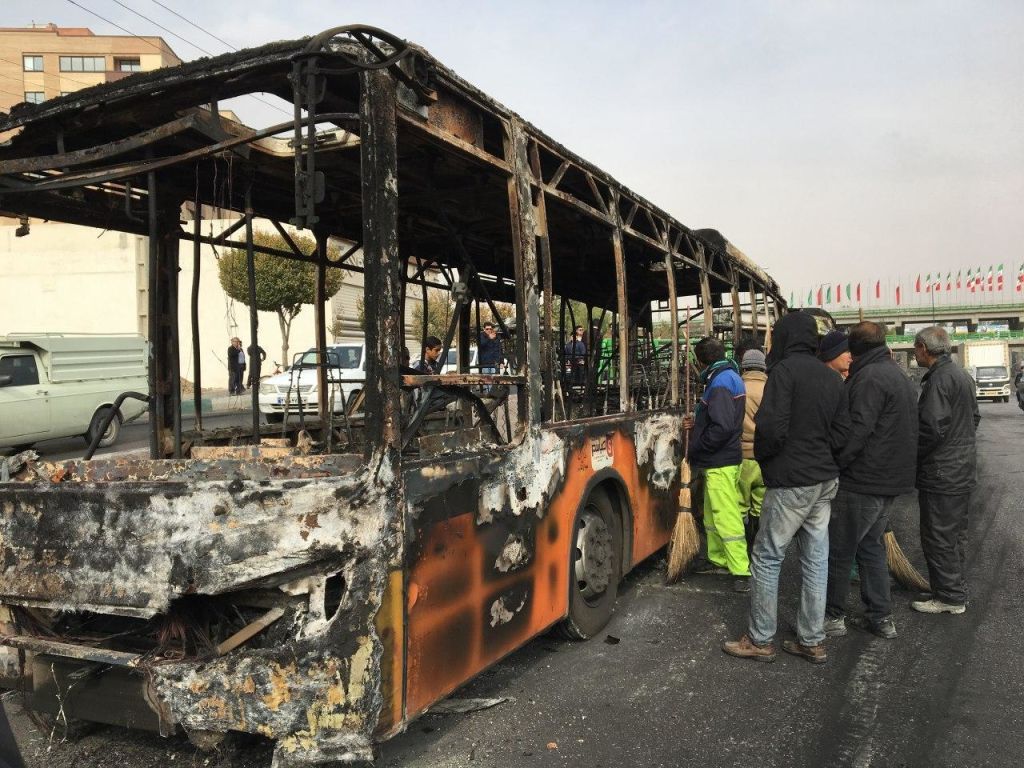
594	567
113	430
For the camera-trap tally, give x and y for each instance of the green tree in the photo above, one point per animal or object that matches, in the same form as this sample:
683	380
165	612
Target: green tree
282	285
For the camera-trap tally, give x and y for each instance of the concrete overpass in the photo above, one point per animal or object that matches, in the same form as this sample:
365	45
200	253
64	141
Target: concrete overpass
897	318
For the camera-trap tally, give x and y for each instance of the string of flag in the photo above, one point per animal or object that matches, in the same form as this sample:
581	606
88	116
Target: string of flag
972	280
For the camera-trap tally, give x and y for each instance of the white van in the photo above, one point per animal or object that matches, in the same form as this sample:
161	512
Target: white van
61	385
285	391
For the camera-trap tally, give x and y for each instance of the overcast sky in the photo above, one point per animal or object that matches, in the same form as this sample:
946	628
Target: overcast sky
830	141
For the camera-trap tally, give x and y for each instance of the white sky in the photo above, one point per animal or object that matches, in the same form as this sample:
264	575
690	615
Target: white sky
830	141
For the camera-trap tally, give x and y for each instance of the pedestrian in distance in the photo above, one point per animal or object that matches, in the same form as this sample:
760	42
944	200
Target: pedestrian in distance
575	358
489	349
714	449
946	454
235	355
834	351
256	357
792	444
875	445
751	482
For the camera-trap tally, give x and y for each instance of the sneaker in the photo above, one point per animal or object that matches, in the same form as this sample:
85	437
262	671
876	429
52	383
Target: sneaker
936	606
885	628
741	584
745	648
835	627
813	653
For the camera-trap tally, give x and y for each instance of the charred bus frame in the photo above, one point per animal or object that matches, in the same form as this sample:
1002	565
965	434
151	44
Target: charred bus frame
322	587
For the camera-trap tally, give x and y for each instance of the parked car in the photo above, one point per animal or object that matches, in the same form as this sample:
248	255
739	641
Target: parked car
61	385
296	389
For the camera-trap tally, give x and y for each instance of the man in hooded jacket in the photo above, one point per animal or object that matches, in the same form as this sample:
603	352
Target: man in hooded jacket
792	443
946	453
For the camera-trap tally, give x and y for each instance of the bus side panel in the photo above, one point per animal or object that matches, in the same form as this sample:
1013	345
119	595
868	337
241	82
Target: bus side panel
481	583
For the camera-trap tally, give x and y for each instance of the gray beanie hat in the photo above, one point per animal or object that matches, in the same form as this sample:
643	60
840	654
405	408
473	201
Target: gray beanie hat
753	359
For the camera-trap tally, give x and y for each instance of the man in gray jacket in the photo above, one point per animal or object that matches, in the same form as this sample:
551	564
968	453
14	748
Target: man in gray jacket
947	419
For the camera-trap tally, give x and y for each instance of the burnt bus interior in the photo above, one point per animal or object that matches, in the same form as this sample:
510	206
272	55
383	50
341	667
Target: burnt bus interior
435	186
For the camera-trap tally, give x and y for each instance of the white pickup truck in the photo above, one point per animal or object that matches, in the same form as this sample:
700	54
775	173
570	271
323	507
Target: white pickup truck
62	385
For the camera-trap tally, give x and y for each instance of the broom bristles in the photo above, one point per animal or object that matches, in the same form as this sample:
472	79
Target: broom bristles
683	547
900	567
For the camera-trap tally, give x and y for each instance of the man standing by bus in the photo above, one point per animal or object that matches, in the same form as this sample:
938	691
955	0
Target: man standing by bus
947	419
714	449
792	443
875	445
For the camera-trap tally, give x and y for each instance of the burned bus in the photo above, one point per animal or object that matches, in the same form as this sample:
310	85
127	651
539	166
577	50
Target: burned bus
324	582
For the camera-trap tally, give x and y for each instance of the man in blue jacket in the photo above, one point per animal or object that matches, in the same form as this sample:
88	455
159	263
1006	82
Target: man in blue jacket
714	448
792	443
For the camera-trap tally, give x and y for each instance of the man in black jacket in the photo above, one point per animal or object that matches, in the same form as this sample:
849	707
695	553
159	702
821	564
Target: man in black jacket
875	445
792	443
947	418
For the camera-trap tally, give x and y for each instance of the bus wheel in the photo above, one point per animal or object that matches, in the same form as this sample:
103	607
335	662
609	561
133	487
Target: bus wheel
594	568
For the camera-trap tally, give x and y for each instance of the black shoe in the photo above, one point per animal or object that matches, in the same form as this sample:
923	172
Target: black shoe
885	628
741	584
707	567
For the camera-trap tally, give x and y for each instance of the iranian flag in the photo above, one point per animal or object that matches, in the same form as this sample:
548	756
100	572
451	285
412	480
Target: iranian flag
989	277
810	293
917	285
849	293
1020	277
878	289
928	281
999	278
828	295
898	295
959	272
970	279
858	293
819	296
949	281
938	281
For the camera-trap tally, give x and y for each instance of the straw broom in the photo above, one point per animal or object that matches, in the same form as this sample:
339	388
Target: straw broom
900	567
685	542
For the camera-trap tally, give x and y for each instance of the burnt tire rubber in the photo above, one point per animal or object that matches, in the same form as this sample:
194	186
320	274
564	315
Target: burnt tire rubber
595	566
274	418
110	436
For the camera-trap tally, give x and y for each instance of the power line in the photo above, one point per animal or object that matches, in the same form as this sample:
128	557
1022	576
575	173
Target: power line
108	21
190	23
154	45
165	29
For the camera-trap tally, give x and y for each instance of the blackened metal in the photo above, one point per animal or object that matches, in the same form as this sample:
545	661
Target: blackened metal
320	329
153	308
622	307
379	157
673	303
705	292
737	319
254	321
172	331
197	393
109	417
524	248
755	321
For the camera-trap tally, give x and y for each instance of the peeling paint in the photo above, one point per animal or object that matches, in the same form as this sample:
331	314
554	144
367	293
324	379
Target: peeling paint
514	554
501	614
657	446
527	478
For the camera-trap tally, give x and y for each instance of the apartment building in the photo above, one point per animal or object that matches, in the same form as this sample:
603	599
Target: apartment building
42	62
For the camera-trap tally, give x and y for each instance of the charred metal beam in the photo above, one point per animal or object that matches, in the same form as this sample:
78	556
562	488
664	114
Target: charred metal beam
381	263
622	307
524	248
254	320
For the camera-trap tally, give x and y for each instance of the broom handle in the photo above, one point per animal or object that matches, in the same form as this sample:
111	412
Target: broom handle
686	373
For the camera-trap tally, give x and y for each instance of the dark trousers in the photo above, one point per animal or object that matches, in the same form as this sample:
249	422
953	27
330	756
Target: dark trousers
855	530
944	542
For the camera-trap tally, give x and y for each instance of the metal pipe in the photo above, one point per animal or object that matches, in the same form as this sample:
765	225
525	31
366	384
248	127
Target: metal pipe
197	395
156	425
254	321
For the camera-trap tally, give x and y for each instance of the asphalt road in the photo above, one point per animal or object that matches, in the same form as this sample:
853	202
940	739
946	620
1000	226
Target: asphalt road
133	437
655	690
